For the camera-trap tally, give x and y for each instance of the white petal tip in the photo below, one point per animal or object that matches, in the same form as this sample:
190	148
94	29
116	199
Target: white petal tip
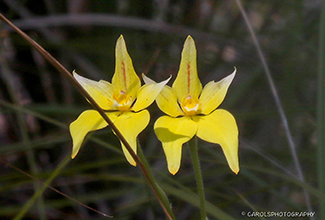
166	81
77	76
74	73
228	79
235	70
146	79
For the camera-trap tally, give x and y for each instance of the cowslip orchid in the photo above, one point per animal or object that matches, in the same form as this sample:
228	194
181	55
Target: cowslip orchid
192	111
124	100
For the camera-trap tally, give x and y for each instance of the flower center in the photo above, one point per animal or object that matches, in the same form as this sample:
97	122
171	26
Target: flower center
190	106
122	101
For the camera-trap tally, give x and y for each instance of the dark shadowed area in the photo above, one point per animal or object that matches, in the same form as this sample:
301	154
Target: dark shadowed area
277	128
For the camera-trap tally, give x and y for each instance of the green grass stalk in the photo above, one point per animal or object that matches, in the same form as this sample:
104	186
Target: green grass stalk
158	189
300	174
40	191
321	113
198	175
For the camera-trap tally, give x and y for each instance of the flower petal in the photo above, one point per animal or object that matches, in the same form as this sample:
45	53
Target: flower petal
187	81
167	102
147	94
87	121
101	92
173	133
220	127
125	79
146	79
130	125
214	93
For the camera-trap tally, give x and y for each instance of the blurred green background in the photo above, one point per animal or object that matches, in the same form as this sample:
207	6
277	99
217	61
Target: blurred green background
37	104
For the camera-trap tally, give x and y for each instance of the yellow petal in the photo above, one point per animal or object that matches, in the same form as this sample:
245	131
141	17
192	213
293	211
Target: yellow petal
147	94
167	102
220	128
87	121
214	93
101	92
173	133
125	79
187	81
130	124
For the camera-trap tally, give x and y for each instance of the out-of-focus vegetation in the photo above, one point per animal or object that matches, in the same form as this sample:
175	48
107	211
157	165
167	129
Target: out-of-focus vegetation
37	105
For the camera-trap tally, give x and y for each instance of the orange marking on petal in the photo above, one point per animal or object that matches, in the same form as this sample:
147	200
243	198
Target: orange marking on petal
188	77
124	75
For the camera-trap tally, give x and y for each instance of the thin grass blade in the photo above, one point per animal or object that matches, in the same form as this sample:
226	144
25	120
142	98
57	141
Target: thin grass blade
321	113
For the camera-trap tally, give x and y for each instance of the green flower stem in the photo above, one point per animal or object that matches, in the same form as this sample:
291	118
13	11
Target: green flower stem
75	83
198	175
157	189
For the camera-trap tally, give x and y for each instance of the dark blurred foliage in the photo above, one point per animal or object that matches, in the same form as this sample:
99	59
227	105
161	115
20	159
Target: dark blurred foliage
82	34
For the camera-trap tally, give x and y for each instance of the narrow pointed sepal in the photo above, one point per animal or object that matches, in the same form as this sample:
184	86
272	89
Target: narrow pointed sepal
125	78
187	82
148	93
101	92
167	102
214	93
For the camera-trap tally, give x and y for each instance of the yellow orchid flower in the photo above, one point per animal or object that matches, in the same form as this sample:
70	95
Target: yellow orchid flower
124	100
192	110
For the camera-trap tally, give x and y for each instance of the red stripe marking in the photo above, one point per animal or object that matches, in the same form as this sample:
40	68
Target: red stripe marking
124	76
188	77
